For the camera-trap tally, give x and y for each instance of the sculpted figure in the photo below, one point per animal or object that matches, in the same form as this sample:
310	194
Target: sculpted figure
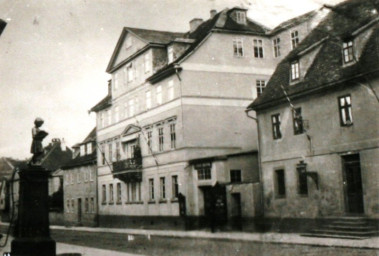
37	148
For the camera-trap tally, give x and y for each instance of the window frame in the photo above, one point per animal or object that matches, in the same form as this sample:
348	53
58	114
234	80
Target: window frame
159	95
111	194
235	175
276	122
297	120
295	70
258	48
238	51
276	43
260	86
280	187
162	188
241	17
345	110
348	51
204	171
172	135
151	189
295	40
160	139
174	186
104	194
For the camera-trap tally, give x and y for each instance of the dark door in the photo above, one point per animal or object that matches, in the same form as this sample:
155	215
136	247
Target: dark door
236	211
353	184
79	210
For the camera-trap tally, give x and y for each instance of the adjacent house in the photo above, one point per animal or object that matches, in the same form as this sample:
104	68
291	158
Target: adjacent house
80	194
175	107
318	119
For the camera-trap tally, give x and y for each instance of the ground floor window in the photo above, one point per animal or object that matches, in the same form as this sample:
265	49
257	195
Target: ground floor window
280	186
175	186
133	192
104	194
151	189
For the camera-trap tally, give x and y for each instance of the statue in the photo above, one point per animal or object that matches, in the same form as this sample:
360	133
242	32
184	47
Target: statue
37	148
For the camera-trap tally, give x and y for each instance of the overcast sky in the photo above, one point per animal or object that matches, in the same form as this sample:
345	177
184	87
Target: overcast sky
53	56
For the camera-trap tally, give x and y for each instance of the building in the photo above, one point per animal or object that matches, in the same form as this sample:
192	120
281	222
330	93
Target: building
174	99
318	120
80	193
3	24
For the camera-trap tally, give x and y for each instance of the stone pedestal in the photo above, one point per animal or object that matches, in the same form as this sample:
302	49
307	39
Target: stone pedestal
32	236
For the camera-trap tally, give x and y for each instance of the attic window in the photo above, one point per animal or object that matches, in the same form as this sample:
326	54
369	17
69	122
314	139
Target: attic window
347	51
89	148
170	54
82	150
295	39
241	17
295	70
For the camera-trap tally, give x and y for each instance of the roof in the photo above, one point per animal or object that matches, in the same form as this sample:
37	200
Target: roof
7	165
3	24
327	69
103	104
55	157
86	159
293	22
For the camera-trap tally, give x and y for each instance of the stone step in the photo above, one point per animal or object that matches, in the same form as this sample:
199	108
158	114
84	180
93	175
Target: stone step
333	236
360	233
351	223
349	227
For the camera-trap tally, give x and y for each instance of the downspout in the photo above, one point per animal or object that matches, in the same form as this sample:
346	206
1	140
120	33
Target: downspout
259	159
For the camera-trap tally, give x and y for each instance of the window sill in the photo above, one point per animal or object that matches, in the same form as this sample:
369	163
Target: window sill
280	197
163	201
174	200
118	203
346	125
111	203
151	202
103	203
137	202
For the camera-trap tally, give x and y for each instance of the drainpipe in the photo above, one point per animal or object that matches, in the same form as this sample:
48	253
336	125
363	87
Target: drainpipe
259	158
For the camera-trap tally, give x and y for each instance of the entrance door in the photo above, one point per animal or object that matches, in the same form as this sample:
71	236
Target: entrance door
79	210
236	211
353	184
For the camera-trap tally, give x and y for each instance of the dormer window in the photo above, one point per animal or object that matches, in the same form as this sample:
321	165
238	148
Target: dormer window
294	39
89	148
347	51
241	17
295	70
170	54
82	150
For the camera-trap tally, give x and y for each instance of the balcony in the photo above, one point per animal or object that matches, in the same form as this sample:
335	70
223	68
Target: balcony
128	170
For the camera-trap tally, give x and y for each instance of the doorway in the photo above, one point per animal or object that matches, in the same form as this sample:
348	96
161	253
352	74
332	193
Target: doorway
353	184
236	211
79	210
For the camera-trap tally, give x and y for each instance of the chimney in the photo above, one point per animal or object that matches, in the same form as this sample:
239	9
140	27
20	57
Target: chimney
194	23
213	12
63	145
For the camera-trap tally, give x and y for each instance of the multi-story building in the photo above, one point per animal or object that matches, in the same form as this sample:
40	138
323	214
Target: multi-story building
175	107
318	121
80	188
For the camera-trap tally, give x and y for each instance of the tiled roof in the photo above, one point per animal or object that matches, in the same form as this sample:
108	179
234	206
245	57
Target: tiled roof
55	157
222	21
327	68
154	36
104	103
293	22
91	136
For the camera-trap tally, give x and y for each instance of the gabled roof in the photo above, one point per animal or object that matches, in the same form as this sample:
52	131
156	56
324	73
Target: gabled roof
293	22
327	68
103	104
90	159
55	157
131	129
7	165
150	37
221	22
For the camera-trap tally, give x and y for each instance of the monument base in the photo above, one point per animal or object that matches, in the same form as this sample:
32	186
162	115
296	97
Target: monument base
33	247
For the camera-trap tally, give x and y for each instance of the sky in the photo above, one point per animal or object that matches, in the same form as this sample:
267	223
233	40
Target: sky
53	56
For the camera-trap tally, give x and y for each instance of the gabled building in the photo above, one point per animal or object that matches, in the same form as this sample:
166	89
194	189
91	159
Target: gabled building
80	188
318	119
175	107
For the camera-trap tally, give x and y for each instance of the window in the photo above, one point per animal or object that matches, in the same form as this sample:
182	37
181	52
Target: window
86	205
82	150
147	62
92	205
91	174
295	70
294	39
280	186
131	107
109	114
151	189
72	177
102	119
175	186
72	205
276	42
235	176
203	171
78	174
258	48
118	155
134	191
170	54
104	194
172	136
85	175
276	126
118	193
261	84
130	72
116	81
110	153
298	127
162	182
347	51
345	110
128	186
111	194
170	89
67	205
128	43
149	139
159	95
160	138
238	47
148	99
89	148
116	114
241	17
103	154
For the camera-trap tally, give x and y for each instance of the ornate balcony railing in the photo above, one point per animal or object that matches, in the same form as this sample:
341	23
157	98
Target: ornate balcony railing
128	170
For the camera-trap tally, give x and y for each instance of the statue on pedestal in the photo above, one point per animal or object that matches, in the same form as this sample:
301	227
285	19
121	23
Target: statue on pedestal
37	148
